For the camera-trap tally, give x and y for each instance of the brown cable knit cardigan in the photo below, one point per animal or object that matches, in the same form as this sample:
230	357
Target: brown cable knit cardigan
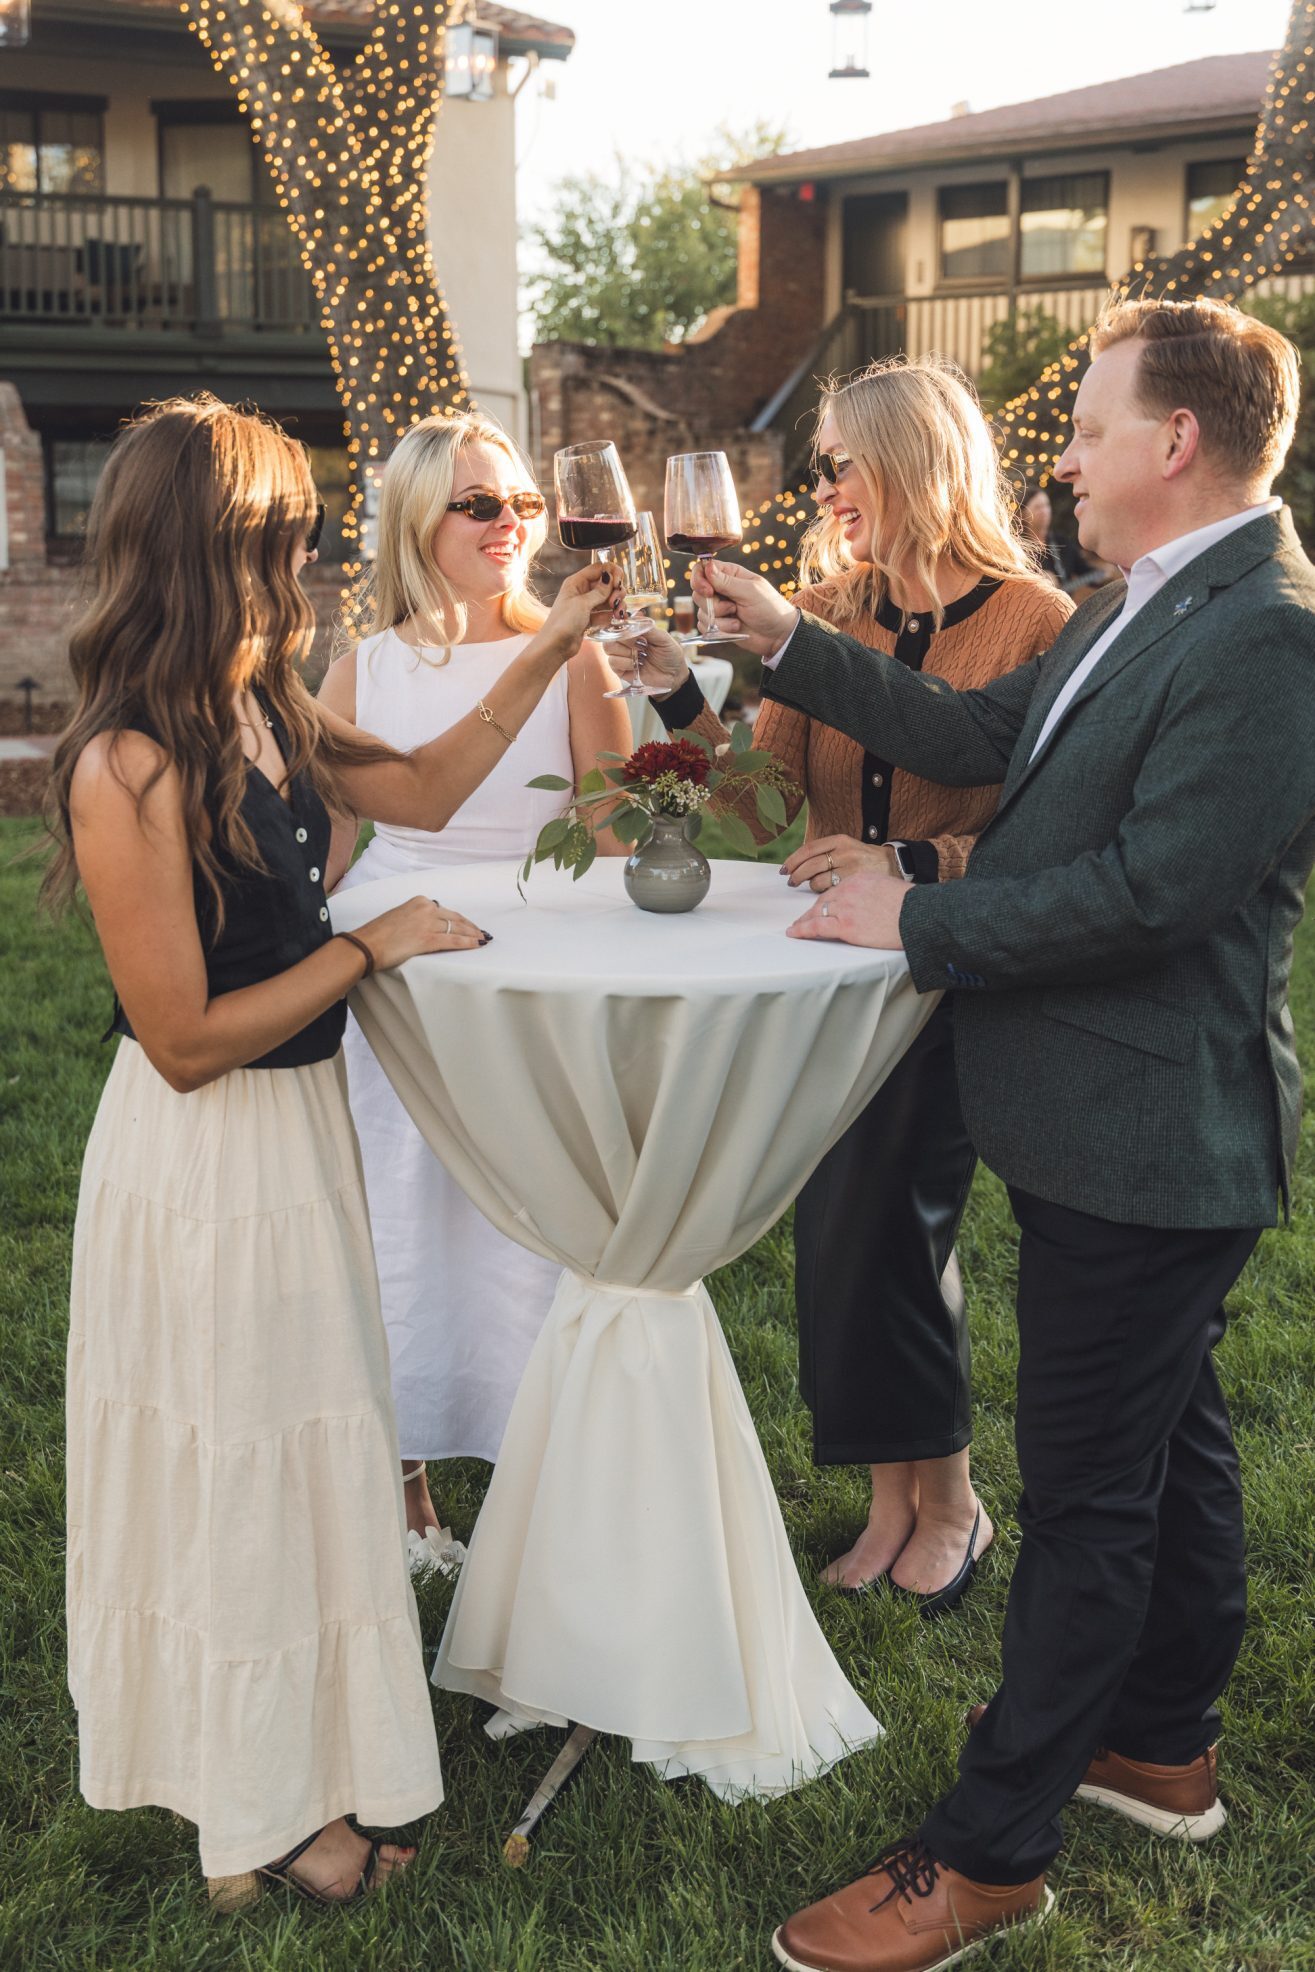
1019	620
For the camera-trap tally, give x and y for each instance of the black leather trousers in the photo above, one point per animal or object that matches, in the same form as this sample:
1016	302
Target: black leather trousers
884	1355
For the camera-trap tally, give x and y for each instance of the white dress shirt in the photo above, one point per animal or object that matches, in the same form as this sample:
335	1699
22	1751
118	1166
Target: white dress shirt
1146	578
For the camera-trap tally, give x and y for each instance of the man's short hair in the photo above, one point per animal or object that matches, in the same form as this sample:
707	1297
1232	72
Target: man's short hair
1240	377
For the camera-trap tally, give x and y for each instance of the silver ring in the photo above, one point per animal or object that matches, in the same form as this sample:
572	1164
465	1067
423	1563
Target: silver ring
834	880
447	927
830	860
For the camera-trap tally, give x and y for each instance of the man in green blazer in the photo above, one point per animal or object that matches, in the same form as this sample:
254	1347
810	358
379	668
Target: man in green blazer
1119	951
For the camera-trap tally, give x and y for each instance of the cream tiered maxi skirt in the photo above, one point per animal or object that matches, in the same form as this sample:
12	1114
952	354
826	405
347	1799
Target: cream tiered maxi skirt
243	1640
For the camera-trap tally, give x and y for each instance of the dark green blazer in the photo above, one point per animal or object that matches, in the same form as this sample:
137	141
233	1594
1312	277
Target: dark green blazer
1121	944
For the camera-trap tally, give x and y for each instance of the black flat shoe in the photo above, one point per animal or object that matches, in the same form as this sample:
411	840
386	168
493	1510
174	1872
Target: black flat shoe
944	1599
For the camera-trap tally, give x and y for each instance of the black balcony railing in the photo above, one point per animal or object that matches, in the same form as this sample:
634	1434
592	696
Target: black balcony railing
197	266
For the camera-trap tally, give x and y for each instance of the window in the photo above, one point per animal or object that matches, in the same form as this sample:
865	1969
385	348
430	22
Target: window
1210	188
1063	225
975	232
73	467
50	147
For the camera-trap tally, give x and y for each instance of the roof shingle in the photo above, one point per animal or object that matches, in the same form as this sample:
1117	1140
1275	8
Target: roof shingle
1220	89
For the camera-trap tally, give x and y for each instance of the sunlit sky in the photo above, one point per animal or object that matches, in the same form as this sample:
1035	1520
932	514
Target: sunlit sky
655	78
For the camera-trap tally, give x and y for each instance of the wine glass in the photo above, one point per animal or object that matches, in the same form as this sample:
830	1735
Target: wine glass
702	520
640	563
595	507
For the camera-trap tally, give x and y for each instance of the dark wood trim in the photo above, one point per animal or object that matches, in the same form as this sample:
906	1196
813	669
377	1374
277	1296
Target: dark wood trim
52	99
199	109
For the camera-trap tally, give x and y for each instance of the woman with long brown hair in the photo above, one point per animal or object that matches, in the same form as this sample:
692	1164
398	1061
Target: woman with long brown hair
243	1642
914	551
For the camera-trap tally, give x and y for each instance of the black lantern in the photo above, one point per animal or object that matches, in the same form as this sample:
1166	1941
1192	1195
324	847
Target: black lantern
471	61
849	39
15	23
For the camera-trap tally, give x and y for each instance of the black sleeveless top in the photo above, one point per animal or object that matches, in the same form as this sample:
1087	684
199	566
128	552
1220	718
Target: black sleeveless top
272	917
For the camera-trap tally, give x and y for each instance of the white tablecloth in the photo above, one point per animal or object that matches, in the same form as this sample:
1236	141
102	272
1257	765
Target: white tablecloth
714	675
639	1097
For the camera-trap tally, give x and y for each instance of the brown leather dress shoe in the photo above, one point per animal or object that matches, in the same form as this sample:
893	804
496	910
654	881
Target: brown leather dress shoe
1181	1802
908	1913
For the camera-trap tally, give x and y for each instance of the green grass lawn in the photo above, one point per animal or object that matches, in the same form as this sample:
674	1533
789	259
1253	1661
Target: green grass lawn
630	1875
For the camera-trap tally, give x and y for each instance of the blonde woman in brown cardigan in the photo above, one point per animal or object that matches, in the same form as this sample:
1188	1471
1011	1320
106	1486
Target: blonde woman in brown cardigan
913	551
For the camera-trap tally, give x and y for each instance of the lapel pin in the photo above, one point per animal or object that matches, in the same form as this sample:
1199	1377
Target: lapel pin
1181	609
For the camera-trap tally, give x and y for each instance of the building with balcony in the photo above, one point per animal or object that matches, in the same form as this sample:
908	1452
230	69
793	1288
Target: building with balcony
142	250
919	240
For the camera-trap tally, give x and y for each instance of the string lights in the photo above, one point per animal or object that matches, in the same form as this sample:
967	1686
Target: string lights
1263	231
348	145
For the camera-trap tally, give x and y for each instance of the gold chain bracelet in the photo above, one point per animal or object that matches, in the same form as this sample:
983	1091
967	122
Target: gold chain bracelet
489	720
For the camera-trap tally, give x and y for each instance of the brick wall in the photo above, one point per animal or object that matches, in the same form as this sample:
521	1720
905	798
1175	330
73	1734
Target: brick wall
700	394
40	599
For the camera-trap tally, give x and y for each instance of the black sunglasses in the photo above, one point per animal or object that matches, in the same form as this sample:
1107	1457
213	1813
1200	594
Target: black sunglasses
316	528
488	506
831	466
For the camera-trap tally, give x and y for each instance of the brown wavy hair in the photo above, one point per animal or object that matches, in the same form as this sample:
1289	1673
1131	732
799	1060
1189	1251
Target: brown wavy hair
193	599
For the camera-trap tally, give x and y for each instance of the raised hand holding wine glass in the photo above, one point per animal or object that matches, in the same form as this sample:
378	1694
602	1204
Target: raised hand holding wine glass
702	520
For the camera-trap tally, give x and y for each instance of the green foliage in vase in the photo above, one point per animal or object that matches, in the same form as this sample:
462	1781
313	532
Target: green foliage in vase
638	258
680	777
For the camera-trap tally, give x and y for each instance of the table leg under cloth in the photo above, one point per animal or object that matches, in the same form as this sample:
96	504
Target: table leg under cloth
630	1568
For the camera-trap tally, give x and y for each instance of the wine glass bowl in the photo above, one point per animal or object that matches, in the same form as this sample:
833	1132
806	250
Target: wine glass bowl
645	587
595	507
702	520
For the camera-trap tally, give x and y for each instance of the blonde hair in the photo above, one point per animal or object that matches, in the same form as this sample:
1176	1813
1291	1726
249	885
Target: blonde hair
413	498
924	451
1237	375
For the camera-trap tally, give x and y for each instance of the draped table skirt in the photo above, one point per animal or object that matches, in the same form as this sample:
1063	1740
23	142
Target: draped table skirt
639	1098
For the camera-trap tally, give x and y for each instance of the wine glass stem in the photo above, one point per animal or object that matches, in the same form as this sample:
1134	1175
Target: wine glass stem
707	607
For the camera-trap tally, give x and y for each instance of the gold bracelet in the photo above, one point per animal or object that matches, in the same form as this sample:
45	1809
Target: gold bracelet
489	720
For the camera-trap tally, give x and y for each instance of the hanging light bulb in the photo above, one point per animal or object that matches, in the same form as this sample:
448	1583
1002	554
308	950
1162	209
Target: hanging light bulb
849	39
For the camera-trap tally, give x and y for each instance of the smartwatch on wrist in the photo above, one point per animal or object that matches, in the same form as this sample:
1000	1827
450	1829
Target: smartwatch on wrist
904	858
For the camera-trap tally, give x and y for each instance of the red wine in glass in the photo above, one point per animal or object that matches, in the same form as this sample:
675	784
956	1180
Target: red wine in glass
586	533
702	520
702	544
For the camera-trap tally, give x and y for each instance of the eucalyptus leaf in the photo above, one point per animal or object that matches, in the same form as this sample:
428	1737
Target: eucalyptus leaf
552	782
741	737
553	833
593	782
738	835
587	855
771	807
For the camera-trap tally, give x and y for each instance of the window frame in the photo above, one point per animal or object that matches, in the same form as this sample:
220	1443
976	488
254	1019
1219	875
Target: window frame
960	282
1197	164
1072	277
51	102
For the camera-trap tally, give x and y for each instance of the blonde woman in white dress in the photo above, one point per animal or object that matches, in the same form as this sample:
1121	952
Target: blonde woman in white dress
462	1304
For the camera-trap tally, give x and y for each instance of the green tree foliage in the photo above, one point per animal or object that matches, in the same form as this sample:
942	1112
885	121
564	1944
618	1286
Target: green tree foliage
1017	349
1295	316
640	257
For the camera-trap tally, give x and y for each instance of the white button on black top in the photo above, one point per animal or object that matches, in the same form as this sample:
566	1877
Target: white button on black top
314	874
878	780
301	835
873	833
324	913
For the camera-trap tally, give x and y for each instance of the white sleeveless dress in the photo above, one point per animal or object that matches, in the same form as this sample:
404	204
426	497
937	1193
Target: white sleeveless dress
462	1305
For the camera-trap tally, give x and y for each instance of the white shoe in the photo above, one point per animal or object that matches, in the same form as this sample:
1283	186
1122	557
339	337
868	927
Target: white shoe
435	1549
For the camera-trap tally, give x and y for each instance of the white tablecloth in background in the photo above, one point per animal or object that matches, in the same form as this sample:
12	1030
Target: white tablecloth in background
714	675
639	1097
